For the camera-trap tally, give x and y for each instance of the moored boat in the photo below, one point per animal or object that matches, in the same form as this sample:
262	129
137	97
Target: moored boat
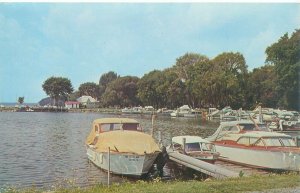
132	152
195	147
251	144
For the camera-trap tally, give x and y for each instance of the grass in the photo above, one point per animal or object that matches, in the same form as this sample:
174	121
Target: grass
253	183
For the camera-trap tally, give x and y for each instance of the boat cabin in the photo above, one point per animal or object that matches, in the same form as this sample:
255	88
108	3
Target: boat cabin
195	147
264	139
113	124
192	144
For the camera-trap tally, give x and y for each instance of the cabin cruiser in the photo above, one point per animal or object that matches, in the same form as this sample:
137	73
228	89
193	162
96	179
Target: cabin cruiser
185	111
247	143
195	147
132	152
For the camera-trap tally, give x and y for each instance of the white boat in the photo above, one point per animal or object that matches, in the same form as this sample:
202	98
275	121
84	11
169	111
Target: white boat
185	111
132	152
133	110
149	110
195	147
250	144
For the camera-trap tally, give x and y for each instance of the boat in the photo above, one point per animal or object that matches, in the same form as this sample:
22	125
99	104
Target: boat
247	143
133	110
195	147
132	152
181	111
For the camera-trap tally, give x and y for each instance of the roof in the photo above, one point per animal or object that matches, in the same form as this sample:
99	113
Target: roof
114	120
189	139
72	102
264	134
84	99
126	142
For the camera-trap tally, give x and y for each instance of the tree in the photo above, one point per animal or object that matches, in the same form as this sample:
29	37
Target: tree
57	88
183	67
121	92
21	100
262	87
90	89
105	79
151	89
284	55
232	70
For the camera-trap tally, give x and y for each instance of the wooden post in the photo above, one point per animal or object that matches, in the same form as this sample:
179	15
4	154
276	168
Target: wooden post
260	115
108	169
183	142
153	116
159	139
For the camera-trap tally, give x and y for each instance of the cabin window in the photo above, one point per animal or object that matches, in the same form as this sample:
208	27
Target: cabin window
253	140
288	142
230	128
131	126
247	140
244	141
272	142
96	128
110	127
260	143
251	127
192	147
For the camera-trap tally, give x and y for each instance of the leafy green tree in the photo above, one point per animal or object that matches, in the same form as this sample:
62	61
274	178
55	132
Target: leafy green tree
74	96
232	69
105	79
57	88
284	55
262	87
121	92
89	89
151	90
21	100
184	68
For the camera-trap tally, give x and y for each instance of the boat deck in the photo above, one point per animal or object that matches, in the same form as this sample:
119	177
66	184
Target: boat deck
221	169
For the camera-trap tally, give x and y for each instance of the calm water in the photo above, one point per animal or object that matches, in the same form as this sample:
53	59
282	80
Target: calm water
47	150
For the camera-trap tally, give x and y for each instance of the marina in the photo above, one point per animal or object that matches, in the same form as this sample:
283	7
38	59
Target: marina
43	138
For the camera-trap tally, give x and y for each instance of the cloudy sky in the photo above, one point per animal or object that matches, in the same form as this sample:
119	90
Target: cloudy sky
83	41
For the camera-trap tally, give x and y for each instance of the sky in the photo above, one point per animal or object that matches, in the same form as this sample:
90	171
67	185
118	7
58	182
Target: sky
82	41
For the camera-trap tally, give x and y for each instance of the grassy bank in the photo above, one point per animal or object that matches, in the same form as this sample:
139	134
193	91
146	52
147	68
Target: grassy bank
244	184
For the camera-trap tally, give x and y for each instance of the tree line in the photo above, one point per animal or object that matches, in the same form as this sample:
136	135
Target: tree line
199	81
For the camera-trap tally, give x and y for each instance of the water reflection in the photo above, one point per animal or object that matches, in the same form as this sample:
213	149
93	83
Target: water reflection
47	149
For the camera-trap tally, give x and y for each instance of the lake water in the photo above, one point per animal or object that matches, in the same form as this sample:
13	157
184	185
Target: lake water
46	150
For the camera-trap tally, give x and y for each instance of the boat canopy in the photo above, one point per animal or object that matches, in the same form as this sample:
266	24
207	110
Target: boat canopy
111	124
123	141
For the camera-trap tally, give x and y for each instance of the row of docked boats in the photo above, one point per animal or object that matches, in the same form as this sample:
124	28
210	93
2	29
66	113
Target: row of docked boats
183	111
121	144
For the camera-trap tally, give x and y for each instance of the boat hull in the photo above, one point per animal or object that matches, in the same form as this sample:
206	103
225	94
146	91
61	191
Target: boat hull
123	163
265	159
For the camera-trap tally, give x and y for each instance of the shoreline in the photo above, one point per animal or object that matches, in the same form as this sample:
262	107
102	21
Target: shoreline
289	182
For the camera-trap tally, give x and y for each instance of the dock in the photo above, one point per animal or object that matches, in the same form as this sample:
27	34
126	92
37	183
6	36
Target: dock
216	171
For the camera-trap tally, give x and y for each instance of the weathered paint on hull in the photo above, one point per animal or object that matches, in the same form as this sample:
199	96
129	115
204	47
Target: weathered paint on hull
276	160
123	164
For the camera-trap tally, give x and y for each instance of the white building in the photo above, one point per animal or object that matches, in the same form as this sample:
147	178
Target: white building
72	104
88	101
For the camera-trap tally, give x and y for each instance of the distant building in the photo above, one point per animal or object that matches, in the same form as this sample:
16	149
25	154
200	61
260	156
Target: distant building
88	102
72	104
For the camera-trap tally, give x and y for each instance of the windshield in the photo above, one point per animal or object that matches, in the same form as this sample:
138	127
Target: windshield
192	147
251	127
208	147
120	126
